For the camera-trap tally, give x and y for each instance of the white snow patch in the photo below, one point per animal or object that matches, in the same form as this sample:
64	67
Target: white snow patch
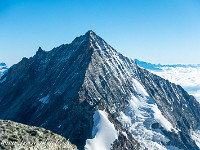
140	113
161	119
45	100
124	133
103	133
195	135
139	89
126	120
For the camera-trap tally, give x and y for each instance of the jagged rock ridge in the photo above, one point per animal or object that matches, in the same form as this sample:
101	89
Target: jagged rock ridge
61	89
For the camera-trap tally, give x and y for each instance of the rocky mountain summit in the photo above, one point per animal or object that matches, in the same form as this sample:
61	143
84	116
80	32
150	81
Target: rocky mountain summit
79	90
16	136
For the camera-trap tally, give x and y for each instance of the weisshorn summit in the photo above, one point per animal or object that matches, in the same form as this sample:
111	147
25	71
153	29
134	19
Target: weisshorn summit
99	99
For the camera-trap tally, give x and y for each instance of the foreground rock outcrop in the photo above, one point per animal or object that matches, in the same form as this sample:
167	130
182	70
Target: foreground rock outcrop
17	136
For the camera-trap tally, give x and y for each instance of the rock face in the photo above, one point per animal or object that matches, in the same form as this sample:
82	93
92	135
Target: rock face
16	136
61	89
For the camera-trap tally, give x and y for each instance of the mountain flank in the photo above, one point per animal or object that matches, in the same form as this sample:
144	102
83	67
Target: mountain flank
66	89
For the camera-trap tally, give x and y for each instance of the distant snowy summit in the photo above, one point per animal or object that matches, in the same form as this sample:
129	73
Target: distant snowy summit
188	76
3	69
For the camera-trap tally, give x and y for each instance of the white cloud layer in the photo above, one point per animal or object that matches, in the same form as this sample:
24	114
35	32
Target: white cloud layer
187	77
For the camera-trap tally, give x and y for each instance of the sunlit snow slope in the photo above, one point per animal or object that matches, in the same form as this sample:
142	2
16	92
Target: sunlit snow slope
144	120
103	132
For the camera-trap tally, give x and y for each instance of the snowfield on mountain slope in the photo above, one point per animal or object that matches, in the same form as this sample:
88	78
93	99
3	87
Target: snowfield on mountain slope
144	120
188	78
196	136
103	132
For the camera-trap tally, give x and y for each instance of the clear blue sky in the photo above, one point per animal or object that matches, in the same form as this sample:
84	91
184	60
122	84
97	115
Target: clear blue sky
157	31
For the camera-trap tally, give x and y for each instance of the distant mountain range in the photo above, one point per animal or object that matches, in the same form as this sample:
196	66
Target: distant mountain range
97	98
151	66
